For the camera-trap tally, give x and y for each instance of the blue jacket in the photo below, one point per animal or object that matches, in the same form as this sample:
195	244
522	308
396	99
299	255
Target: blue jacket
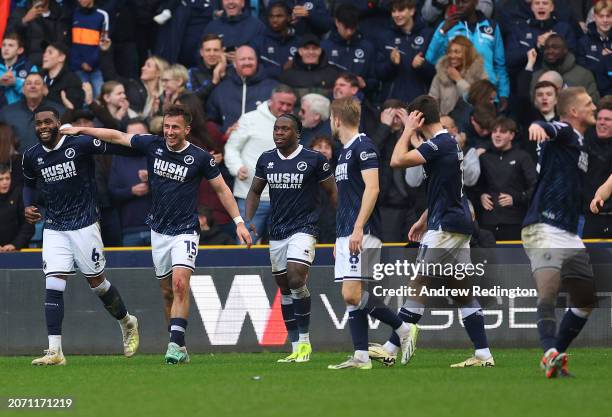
224	105
589	55
273	50
21	69
236	31
356	55
319	21
487	39
524	36
402	81
122	177
87	28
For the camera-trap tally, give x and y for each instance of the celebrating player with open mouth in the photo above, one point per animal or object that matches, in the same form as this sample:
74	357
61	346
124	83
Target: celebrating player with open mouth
550	229
357	230
293	174
176	168
65	167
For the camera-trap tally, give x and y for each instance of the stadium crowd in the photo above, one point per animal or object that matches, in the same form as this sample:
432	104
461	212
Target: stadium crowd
494	66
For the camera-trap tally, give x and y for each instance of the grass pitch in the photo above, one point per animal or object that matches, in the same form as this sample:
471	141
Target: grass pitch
223	385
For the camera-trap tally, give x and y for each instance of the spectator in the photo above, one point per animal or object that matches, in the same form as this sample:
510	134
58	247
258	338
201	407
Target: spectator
395	200
43	21
245	87
595	48
347	49
400	63
244	146
89	27
479	128
210	234
174	83
129	188
327	212
211	68
434	10
599	148
486	37
13	69
61	83
347	85
543	108
15	232
20	115
178	39
558	58
235	26
507	180
314	114
144	94
277	46
310	16
310	72
9	155
533	32
455	72
206	135
112	108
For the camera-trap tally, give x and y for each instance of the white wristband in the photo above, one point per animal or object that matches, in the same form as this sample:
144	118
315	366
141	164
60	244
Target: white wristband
238	219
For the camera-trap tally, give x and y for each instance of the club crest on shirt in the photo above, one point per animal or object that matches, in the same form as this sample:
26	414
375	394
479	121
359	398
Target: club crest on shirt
359	53
69	153
302	166
97	142
348	155
326	166
188	159
308	5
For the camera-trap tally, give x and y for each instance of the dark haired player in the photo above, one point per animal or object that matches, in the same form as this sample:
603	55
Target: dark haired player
444	229
176	168
550	230
64	166
293	174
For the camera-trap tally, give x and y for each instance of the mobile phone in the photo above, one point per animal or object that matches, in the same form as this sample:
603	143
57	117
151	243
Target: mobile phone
230	49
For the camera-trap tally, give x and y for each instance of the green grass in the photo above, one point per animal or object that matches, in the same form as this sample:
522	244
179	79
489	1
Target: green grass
223	385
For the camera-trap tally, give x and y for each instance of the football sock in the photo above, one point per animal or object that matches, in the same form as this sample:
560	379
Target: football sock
54	311
547	325
377	309
289	318
572	323
111	299
177	330
411	312
473	321
301	310
358	324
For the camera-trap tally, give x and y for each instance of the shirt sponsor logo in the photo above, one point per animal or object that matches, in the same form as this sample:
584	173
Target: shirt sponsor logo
364	156
169	170
59	172
341	172
285	180
97	142
212	162
326	167
432	145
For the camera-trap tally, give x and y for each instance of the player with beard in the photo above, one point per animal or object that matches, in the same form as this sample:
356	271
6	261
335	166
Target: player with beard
64	167
294	174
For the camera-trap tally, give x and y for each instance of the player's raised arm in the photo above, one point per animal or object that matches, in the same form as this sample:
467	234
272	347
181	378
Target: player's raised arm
229	203
368	201
601	195
402	157
107	135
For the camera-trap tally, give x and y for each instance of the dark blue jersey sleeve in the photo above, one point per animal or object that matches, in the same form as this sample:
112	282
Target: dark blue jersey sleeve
429	150
323	168
209	167
259	168
557	131
368	157
29	176
142	142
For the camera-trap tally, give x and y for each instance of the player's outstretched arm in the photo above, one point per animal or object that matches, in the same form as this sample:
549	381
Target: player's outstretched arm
329	185
229	203
601	195
368	201
402	157
107	135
